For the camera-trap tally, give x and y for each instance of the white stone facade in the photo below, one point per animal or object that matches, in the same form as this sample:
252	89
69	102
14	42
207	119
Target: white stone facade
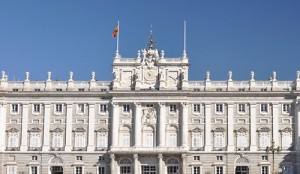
149	119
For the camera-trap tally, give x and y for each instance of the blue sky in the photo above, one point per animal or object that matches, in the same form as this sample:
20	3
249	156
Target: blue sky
75	35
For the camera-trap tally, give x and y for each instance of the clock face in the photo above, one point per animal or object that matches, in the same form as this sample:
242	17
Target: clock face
149	75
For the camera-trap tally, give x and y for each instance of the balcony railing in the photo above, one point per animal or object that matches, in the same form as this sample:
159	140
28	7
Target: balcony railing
79	148
57	149
242	148
219	148
197	148
12	149
101	149
34	148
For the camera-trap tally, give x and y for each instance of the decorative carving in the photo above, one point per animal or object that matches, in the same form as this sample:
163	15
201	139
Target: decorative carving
172	160
125	161
149	116
242	160
56	161
116	74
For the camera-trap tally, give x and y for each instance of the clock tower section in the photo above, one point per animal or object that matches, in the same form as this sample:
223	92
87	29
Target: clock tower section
150	70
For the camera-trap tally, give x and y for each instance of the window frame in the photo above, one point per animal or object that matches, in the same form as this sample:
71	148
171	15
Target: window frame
219	108
264	108
286	108
80	108
126	109
241	108
15	170
217	169
172	108
34	108
14	108
81	167
58	109
103	108
262	171
196	108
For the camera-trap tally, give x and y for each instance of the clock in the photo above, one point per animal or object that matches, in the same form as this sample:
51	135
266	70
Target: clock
149	75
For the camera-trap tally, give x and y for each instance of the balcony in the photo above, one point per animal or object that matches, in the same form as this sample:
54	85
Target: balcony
219	148
101	149
197	149
57	149
34	148
242	148
12	149
79	148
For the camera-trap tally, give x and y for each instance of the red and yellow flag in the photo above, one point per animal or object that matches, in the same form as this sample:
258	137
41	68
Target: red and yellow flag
115	32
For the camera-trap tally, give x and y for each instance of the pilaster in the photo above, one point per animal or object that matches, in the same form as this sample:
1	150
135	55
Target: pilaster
115	124
91	128
160	163
275	130
24	127
230	145
2	126
136	163
184	163
137	125
112	164
253	146
162	125
68	146
184	124
46	136
207	140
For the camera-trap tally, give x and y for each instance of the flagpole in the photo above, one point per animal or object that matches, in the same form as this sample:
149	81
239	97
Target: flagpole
117	51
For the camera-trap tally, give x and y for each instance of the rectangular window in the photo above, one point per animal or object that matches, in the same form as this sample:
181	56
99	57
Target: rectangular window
286	108
150	106
14	108
173	108
101	170
13	140
197	108
79	158
264	108
241	108
287	169
57	140
126	108
196	170
103	108
148	139
58	89
125	169
79	140
80	108
264	158
58	108
126	139
264	140
101	140
148	169
264	169
101	158
34	170
173	169
34	158
15	90
219	89
11	169
81	89
197	139
242	89
35	141
219	107
220	158
219	141
287	140
78	170
37	90
219	170
196	158
241	141
173	139
36	108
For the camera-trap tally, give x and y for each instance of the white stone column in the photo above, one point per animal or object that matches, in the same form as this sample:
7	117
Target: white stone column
297	126
136	163
2	126
162	125
24	127
115	124
47	110
184	124
91	128
230	136
160	164
207	140
112	164
137	125
68	146
184	163
253	146
275	130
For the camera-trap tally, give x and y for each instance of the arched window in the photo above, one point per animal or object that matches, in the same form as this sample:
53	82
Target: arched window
125	166
172	166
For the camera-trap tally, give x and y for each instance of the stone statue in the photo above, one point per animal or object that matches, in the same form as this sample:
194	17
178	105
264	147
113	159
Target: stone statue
230	75
207	76
149	116
71	76
298	75
252	75
49	76
3	75
116	74
93	76
274	75
27	76
162	54
139	54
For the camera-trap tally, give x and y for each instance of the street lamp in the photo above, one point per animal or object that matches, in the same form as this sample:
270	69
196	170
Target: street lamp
273	149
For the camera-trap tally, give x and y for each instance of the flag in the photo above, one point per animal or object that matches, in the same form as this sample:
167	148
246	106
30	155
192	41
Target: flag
115	32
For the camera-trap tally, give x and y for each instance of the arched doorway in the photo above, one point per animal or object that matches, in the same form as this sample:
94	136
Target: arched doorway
56	170
242	166
56	166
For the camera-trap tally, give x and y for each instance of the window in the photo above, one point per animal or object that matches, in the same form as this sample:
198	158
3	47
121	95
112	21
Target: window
126	108
219	108
103	90
150	106
220	158
264	158
11	169
126	139
37	90
241	141
264	169
101	170
172	139
101	140
78	170
79	140
58	108
288	169
14	108
196	170
35	141
15	90
34	170
34	158
173	108
36	108
13	140
81	89
80	108
219	141
263	89
287	139
219	89
173	170
242	89
148	139
79	158
148	169
196	158
197	108
264	108
286	108
197	139
58	89
57	140
101	158
241	108
264	140
125	169
219	169
103	108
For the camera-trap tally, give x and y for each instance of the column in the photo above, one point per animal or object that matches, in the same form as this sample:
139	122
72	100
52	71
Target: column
297	115
68	146
253	146
46	132
207	140
2	126
162	125
112	164
230	145
161	164
115	124
184	124
137	125
184	163
275	123
24	127
91	129
136	163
